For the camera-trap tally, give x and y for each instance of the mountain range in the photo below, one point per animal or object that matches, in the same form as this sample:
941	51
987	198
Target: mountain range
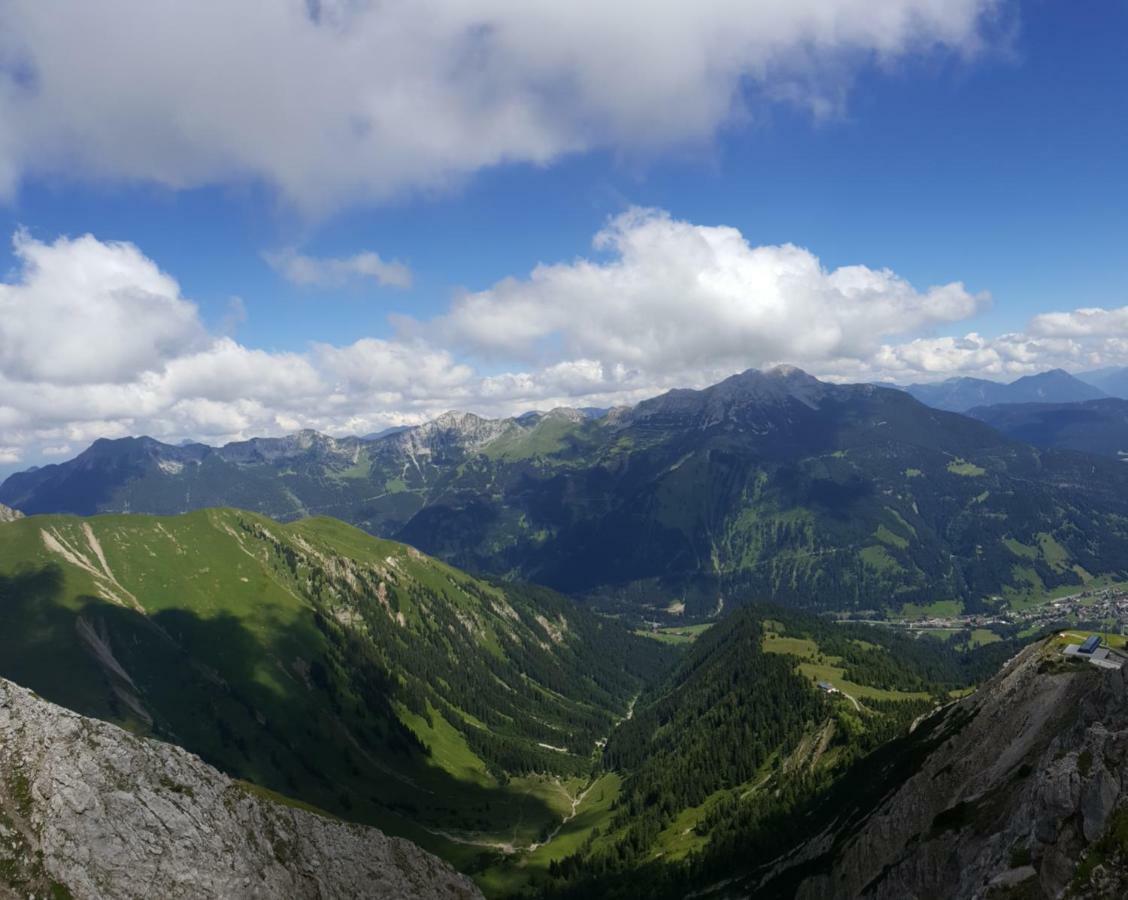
766	486
962	394
535	744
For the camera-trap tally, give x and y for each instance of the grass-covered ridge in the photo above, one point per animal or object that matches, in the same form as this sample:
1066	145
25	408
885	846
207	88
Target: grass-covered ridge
312	659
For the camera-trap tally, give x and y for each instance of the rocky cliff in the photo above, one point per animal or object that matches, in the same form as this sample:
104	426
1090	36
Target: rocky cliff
7	514
1020	790
89	811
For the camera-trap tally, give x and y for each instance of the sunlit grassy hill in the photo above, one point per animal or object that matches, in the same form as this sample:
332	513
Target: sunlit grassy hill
355	674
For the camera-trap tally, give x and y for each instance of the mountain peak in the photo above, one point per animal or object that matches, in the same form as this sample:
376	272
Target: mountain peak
775	384
784	370
1048	375
566	414
456	419
737	395
453	428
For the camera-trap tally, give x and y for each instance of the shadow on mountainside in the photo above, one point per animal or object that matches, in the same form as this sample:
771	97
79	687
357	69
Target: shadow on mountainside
279	706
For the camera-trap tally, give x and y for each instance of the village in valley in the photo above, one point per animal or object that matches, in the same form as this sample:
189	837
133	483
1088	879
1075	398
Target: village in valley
1108	605
1100	609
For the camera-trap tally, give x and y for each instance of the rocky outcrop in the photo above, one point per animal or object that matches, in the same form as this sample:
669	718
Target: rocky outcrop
90	811
1020	790
450	432
7	514
307	444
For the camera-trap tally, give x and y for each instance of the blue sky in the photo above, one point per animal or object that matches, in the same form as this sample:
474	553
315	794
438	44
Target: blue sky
984	148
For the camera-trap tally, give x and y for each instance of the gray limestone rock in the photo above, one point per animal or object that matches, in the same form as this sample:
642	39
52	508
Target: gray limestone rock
1014	789
89	811
1097	803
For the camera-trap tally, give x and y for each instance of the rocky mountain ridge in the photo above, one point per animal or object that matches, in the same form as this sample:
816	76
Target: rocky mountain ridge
99	479
1016	791
88	810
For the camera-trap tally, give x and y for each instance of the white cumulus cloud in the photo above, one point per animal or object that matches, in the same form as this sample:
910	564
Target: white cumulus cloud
83	310
335	102
680	298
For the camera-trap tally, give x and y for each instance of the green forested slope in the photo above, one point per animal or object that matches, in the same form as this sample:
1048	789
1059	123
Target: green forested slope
354	674
721	760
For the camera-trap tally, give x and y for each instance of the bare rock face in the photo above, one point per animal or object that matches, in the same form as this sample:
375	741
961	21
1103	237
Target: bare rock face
88	810
7	514
1020	790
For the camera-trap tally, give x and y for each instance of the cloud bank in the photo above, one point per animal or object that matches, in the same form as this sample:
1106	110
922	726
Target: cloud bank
96	340
375	99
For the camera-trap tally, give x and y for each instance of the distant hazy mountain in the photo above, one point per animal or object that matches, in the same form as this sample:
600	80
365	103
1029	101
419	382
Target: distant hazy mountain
962	394
1094	426
373	482
769	485
1113	381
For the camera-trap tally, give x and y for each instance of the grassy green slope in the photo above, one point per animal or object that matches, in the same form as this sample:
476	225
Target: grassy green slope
352	673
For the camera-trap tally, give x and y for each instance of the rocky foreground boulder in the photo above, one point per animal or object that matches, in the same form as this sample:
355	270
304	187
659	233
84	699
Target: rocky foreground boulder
88	810
1018	791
